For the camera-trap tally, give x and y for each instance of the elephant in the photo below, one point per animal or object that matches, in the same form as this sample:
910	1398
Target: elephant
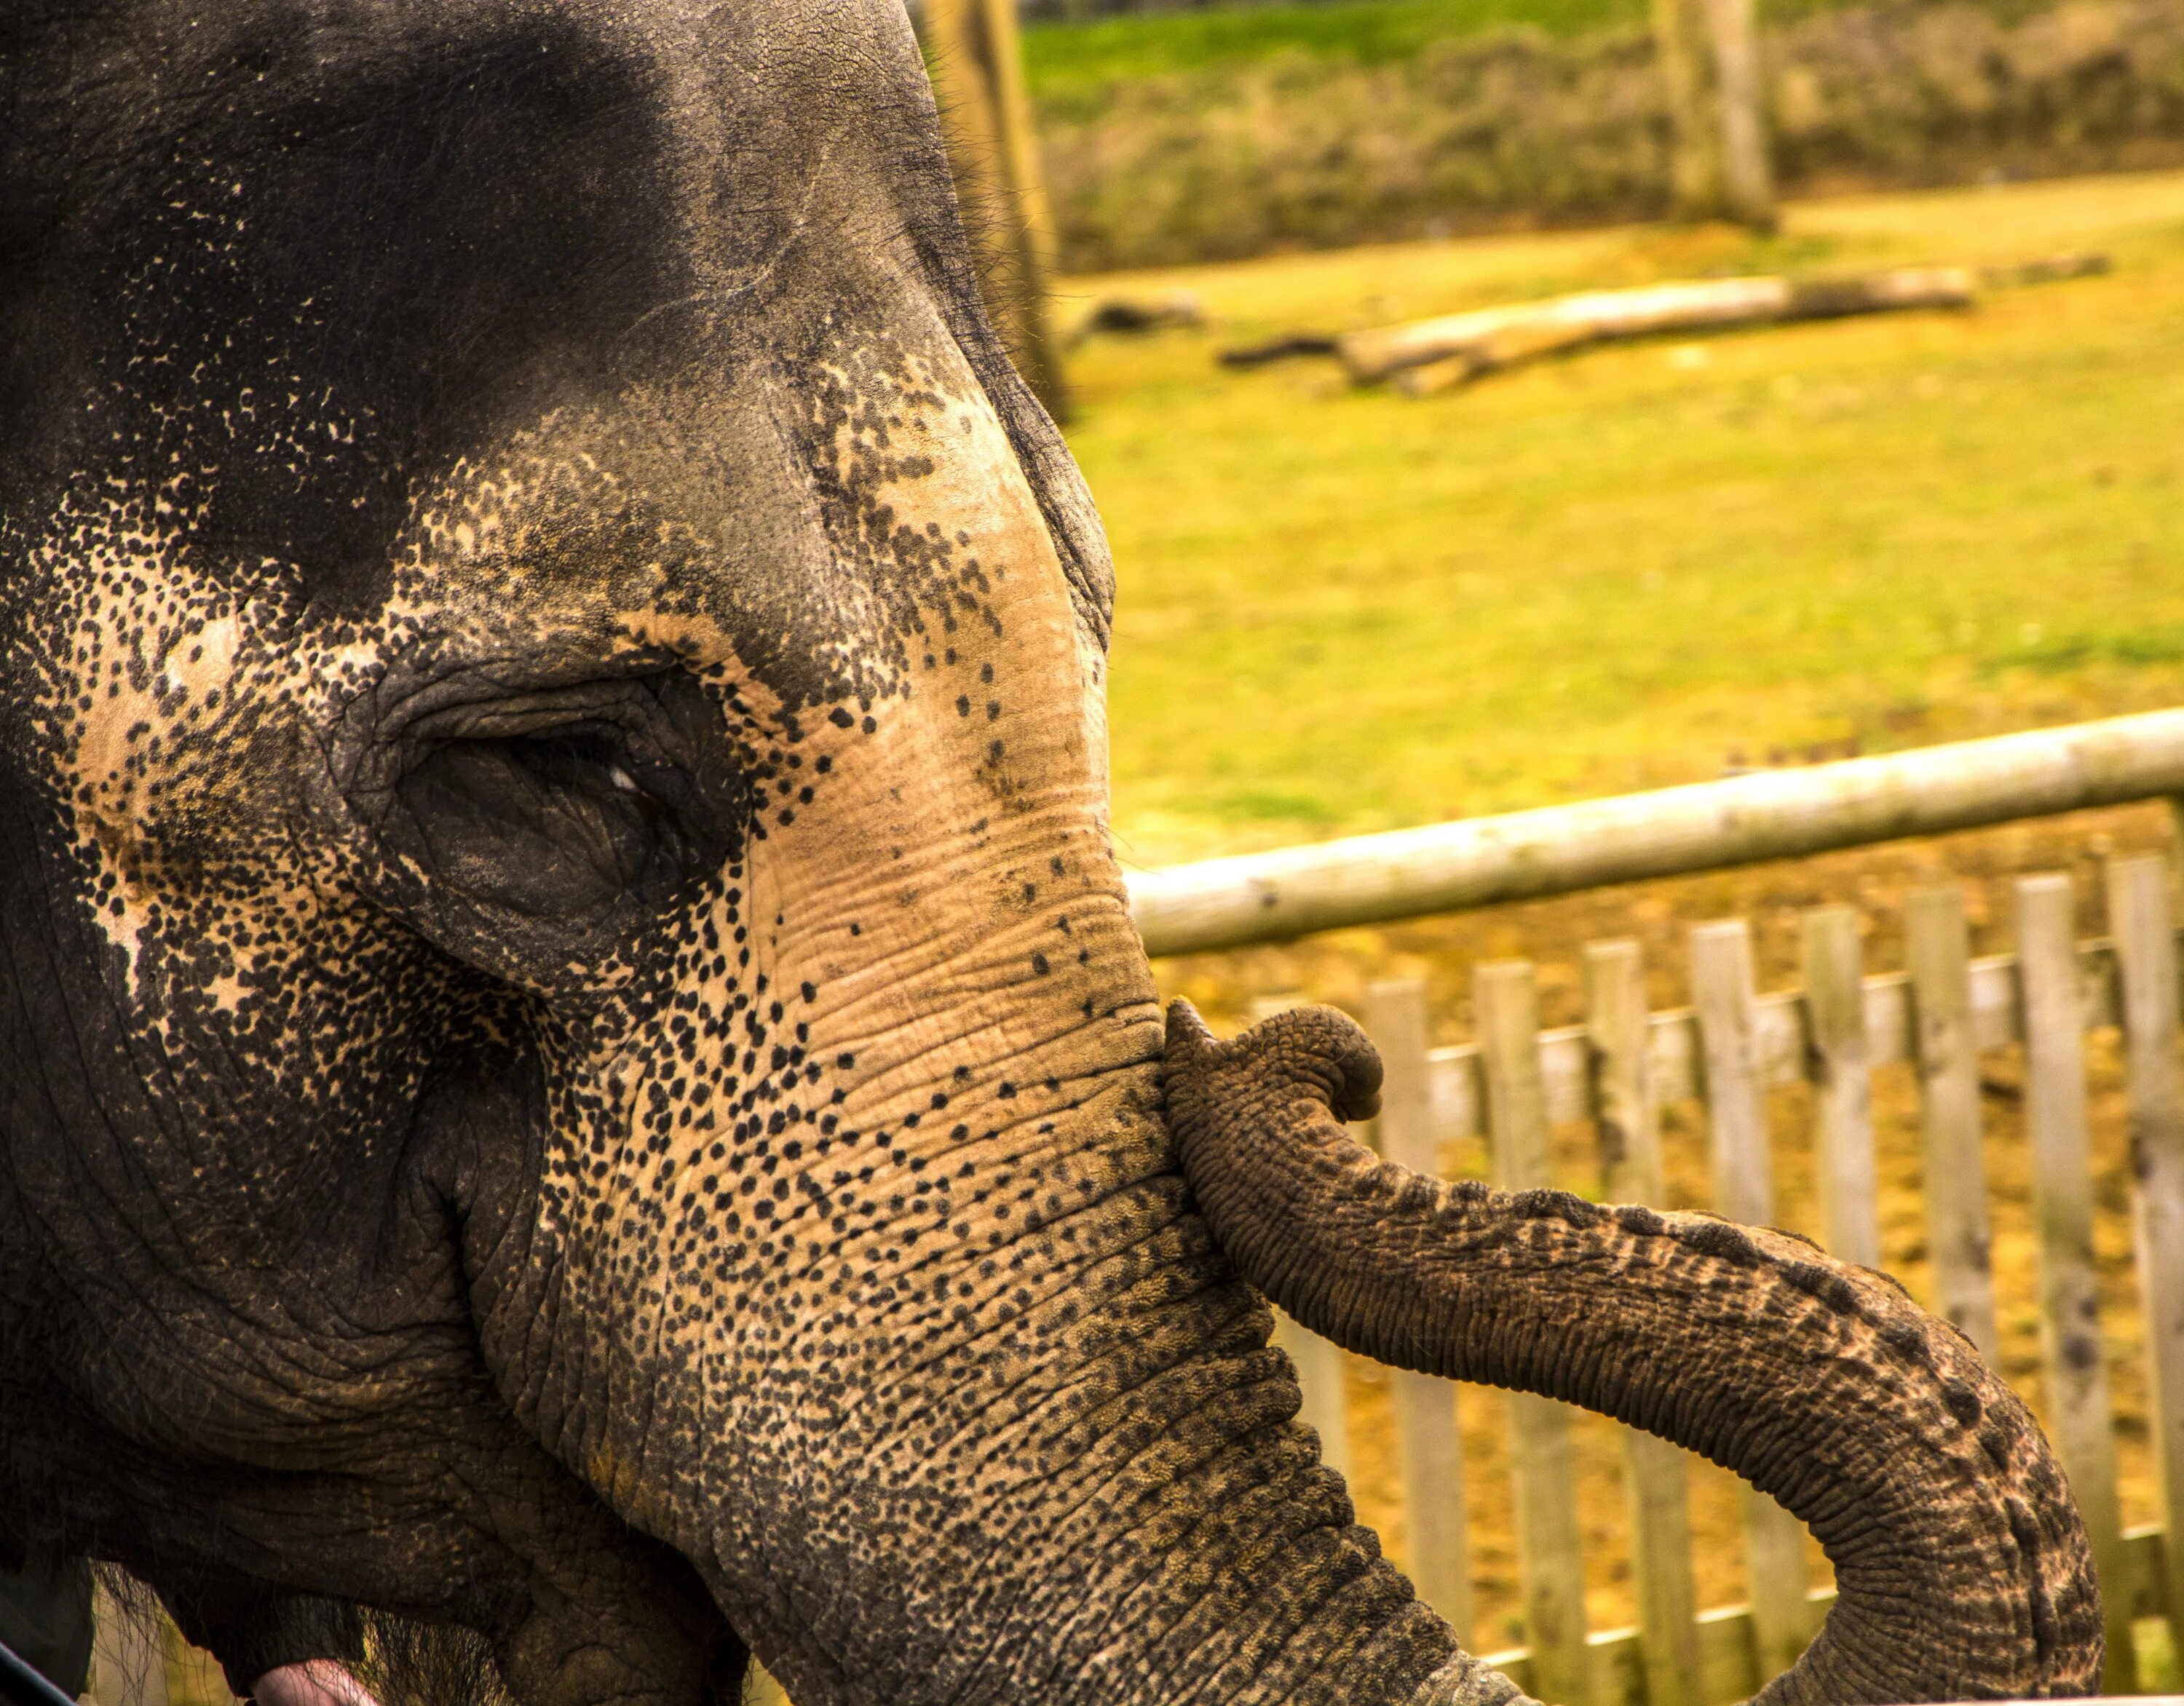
575	1073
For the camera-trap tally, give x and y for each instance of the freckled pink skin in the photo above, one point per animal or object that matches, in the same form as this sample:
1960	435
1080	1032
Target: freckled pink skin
316	1682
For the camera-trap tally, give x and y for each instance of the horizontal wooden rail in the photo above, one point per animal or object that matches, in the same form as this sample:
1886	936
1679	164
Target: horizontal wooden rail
1228	902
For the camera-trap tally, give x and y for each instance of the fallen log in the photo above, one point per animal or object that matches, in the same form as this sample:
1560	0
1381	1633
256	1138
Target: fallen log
2045	270
1280	349
1129	316
1459	348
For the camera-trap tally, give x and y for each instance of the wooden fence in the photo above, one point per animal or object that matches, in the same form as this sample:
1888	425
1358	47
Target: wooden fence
1620	1068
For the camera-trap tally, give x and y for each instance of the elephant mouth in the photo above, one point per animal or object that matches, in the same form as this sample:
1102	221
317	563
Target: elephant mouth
1962	1567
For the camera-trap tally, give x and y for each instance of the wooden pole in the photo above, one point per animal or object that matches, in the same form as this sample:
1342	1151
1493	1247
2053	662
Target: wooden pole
1550	1546
1709	53
1938	947
2140	920
1247	897
1843	1084
1747	178
993	147
1723	991
1680	43
1629	1126
1425	1407
2074	1362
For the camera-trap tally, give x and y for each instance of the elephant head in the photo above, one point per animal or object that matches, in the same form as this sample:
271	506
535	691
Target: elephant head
573	1061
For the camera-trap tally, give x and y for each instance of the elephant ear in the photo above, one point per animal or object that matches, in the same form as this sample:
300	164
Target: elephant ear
1962	1569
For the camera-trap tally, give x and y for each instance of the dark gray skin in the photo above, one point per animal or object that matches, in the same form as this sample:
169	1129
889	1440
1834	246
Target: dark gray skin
573	1063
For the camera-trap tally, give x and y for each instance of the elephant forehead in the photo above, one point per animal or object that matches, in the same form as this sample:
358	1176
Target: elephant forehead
806	525
366	248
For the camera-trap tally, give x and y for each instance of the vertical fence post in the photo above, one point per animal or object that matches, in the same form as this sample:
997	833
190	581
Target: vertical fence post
1747	178
1548	1546
1629	1131
985	112
2140	920
1744	1190
1320	1374
1843	1084
1326	1406
1937	949
1425	1407
2074	1362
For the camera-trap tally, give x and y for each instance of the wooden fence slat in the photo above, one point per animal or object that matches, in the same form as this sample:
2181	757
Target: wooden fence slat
1549	1544
1320	1375
1936	949
1728	1017
1395	1020
2140	920
1655	1481
1319	1364
1622	1105
1433	1497
1891	1033
1425	1407
2074	1365
1843	1084
1744	1190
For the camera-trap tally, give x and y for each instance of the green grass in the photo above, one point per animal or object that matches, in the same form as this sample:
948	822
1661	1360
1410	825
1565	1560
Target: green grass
1070	61
1366	31
1345	610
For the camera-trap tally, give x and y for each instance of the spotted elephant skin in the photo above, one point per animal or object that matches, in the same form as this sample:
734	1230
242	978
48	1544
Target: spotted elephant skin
573	1065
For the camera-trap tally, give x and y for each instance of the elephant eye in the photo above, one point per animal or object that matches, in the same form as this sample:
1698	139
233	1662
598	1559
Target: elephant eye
553	822
561	823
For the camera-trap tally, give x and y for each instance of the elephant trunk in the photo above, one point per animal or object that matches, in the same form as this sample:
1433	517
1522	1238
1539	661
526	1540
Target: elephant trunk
1962	1569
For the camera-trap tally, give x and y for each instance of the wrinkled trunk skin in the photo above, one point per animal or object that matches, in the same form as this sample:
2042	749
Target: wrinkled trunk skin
1961	1566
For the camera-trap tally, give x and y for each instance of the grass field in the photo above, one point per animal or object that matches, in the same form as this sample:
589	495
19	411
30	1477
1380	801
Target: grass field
1346	610
1060	59
1063	57
1342	611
